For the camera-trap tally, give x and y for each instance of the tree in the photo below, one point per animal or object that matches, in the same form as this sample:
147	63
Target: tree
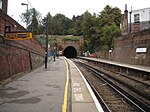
110	15
110	26
58	25
72	31
52	27
77	25
108	33
33	17
91	32
63	24
34	22
98	30
86	24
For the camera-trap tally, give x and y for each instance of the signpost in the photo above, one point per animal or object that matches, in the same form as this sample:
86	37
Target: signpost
18	35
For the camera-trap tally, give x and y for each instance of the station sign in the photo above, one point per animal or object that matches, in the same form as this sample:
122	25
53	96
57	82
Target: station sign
18	35
141	50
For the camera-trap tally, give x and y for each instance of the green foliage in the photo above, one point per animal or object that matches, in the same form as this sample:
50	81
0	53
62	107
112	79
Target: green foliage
32	18
91	32
41	39
110	15
52	41
58	25
72	31
108	33
98	30
77	24
71	38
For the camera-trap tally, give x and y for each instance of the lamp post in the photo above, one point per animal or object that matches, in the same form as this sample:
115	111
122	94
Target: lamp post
46	49
27	14
130	30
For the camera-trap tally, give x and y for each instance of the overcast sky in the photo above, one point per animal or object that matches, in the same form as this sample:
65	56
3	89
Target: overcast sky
71	7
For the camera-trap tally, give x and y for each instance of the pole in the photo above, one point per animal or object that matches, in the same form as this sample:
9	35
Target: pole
130	23
130	20
46	50
27	16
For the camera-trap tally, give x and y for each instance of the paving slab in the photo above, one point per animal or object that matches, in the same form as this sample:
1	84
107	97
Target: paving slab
41	90
83	99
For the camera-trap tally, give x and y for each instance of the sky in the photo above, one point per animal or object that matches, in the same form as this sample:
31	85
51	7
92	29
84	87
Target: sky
70	7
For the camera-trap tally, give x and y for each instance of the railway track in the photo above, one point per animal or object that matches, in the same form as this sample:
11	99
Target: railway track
123	89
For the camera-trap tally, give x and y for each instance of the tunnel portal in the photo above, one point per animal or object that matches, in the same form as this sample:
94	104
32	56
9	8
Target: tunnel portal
70	52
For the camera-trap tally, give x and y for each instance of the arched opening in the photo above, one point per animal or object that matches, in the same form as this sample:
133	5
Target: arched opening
70	52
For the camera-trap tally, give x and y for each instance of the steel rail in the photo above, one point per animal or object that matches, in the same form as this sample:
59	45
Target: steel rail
142	106
100	99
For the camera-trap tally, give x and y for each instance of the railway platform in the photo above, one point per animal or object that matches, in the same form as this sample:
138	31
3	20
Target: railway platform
59	88
82	96
136	67
143	72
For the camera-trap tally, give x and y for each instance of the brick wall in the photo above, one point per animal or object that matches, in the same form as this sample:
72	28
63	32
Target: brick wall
6	20
76	44
17	56
125	48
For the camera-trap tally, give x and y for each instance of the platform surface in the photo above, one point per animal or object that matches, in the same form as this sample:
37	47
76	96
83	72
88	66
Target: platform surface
83	98
136	67
42	90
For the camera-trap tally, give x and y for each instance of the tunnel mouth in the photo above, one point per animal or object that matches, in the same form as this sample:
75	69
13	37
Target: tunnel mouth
70	52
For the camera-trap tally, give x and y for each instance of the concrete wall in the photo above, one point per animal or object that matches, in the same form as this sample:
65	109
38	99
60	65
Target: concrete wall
144	14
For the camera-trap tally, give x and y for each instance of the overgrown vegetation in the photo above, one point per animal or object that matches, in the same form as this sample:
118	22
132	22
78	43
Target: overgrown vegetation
71	38
98	30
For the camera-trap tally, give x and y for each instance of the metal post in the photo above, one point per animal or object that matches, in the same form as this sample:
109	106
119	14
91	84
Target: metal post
27	14
130	21
54	53
46	50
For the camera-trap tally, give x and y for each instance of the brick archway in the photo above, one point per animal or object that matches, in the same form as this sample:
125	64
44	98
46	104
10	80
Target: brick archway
70	52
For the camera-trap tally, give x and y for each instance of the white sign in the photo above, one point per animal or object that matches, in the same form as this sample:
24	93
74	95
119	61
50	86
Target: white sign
141	50
110	51
0	4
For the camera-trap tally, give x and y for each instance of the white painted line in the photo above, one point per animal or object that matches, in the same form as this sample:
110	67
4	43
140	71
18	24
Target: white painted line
99	108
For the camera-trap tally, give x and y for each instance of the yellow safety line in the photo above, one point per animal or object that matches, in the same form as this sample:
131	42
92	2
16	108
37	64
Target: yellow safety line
64	106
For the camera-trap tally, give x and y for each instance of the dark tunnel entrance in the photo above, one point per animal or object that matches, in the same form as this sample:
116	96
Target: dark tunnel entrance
70	52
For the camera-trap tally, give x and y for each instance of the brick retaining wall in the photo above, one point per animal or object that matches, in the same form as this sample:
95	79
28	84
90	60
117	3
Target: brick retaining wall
17	56
125	48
